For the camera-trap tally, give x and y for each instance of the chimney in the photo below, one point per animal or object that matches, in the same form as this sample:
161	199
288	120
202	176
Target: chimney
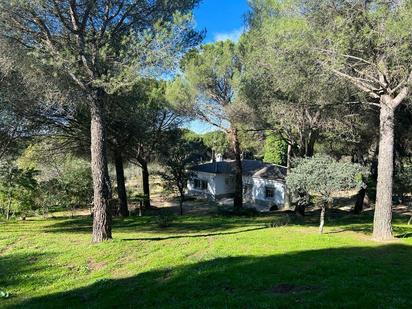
219	157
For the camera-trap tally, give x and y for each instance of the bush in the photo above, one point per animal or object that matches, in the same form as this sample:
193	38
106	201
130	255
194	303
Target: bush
165	218
18	189
65	181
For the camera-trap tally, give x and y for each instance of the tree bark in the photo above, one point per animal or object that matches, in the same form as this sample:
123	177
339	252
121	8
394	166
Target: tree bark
102	213
181	204
306	144
322	218
146	182
121	186
382	224
238	198
8	209
310	145
360	198
288	167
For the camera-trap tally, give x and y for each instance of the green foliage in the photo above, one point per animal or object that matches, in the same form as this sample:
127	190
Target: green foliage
373	37
275	150
217	141
133	39
403	181
18	188
176	157
324	175
191	136
64	181
251	142
282	83
206	87
76	180
165	218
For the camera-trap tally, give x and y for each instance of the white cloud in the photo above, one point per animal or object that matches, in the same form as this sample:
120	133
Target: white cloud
233	35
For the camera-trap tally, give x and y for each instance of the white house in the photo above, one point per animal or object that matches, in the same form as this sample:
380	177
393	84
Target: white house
263	184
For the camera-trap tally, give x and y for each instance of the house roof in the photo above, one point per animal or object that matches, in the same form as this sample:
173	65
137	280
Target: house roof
253	168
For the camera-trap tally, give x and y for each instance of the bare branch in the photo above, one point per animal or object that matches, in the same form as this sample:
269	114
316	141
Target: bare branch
369	89
404	92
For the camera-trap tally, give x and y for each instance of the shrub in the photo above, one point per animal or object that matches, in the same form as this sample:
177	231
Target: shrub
324	175
165	218
17	190
65	181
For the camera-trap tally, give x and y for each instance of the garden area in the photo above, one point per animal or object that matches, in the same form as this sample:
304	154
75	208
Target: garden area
205	154
264	261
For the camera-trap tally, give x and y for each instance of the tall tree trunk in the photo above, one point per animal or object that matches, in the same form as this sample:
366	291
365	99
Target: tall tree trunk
121	186
360	198
382	224
181	200
8	208
146	182
238	198
288	167
102	213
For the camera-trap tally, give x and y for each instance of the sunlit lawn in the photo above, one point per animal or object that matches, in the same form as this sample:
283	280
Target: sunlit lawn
204	262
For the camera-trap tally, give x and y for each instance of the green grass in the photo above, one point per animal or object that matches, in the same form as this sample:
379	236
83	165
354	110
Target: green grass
204	262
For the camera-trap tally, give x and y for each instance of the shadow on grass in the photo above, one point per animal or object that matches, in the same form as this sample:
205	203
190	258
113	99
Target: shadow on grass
405	235
357	277
340	221
337	221
185	224
195	235
19	267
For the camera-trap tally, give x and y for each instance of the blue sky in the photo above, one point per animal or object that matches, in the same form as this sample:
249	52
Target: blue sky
222	19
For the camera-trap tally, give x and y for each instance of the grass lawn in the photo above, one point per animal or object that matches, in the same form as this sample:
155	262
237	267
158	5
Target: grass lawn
204	262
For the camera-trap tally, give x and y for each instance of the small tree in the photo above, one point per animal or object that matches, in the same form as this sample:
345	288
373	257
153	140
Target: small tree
324	175
176	159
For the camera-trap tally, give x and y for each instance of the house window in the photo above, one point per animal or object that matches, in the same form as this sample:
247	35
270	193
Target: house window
269	192
200	184
204	184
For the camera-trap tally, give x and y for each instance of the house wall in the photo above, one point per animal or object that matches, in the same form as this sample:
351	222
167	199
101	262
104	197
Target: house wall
225	185
258	194
211	188
222	185
219	185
